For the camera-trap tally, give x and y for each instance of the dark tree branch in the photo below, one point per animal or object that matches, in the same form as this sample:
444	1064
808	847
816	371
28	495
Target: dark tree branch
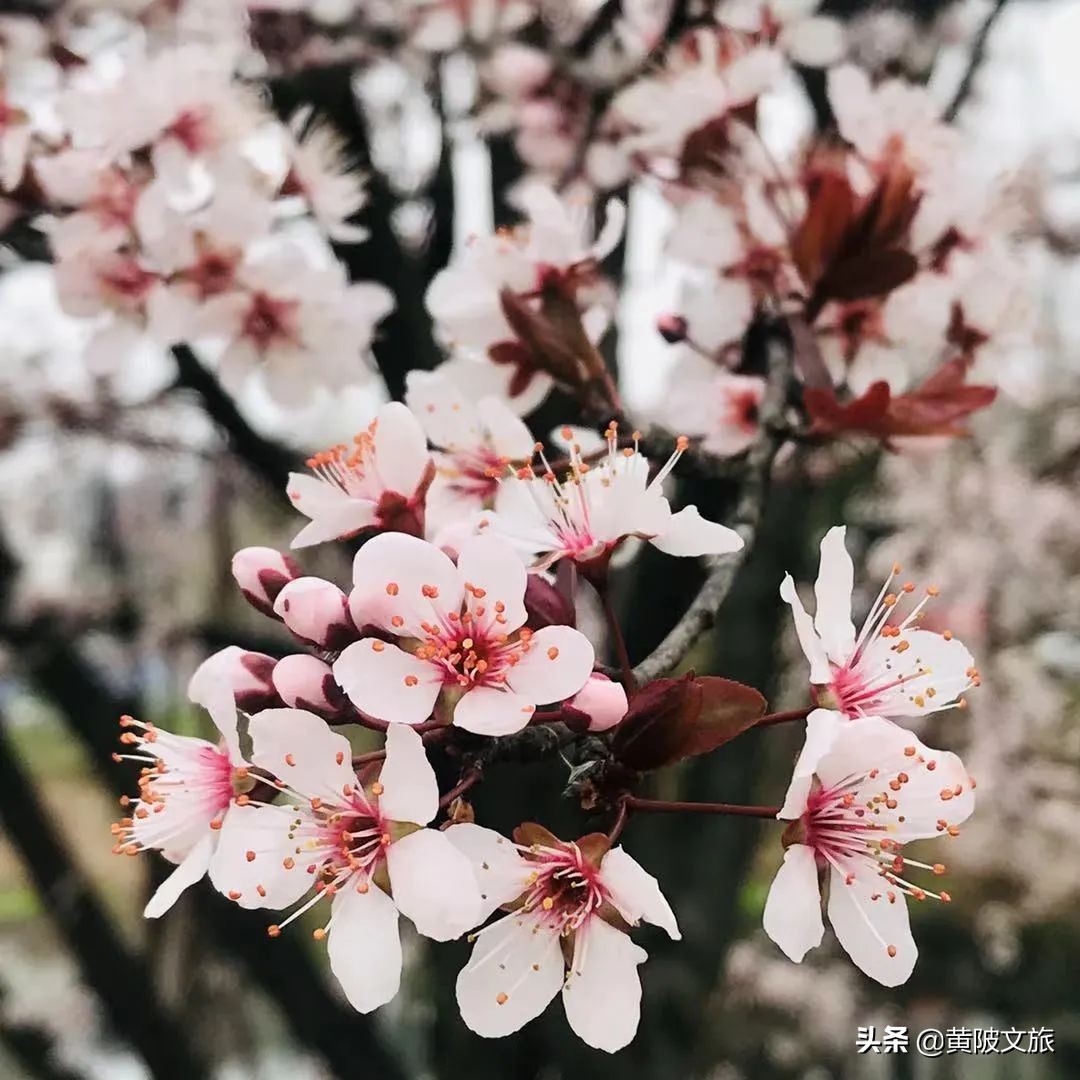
747	518
120	980
975	61
267	459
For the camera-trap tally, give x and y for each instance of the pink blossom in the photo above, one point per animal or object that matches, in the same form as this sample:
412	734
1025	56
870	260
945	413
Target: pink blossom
593	508
462	638
186	790
891	668
247	674
317	612
562	896
358	842
602	700
862	790
262	573
306	682
379	482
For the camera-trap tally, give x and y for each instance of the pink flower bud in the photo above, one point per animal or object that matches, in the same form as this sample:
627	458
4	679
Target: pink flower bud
546	605
262	573
672	328
317	612
305	682
248	675
602	701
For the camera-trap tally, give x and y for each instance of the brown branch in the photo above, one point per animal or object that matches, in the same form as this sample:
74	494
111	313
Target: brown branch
975	61
471	778
747	518
662	806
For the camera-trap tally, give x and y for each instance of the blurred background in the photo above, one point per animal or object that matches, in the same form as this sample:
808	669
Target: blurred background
121	505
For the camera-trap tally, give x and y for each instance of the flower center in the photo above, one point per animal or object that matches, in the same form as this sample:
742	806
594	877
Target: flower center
269	320
193	130
473	473
564	888
185	786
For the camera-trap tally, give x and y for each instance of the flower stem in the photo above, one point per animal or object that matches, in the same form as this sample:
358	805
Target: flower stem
783	717
661	806
627	669
619	822
467	781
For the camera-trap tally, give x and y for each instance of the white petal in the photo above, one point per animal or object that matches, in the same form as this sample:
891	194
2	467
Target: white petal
348	518
814	42
822	728
314	497
491	565
302	751
401	454
507	432
636	893
501	873
410	790
261	832
364	946
793	909
516	968
557	665
486	710
867	927
444	412
812	648
390	575
689	534
433	884
388	683
602	996
833	588
189	871
213	691
936	671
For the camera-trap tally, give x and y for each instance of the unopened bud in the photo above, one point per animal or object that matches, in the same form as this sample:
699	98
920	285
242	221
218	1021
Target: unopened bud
305	682
602	701
317	612
262	573
247	674
672	328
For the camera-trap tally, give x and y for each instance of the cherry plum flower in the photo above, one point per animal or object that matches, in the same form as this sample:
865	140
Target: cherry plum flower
461	637
358	842
807	37
379	482
186	789
891	668
601	701
593	508
570	904
476	440
860	793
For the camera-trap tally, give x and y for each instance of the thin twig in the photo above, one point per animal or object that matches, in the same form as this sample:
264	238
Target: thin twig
975	61
783	717
747	519
662	806
625	667
472	777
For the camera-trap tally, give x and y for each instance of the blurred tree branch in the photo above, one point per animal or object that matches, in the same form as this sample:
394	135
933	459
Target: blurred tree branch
978	54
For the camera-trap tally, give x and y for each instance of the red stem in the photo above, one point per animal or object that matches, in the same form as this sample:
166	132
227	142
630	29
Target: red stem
366	759
467	781
783	717
627	669
660	806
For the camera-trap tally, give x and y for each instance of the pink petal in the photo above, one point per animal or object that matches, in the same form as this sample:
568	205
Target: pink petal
689	534
401	582
820	672
822	728
833	588
495	571
433	884
636	893
364	945
501	873
349	517
867	928
487	710
410	790
190	870
263	833
516	968
793	909
298	748
602	995
602	700
401	454
443	411
212	690
509	436
556	666
388	683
